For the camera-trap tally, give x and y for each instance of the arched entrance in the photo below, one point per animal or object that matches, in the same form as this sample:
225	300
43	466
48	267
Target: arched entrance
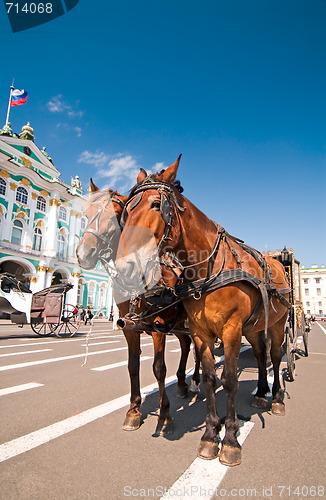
18	268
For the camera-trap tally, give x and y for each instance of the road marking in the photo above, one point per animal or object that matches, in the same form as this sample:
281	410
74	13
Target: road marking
117	365
203	477
318	353
61	358
321	328
24	352
58	341
19	388
46	434
101	343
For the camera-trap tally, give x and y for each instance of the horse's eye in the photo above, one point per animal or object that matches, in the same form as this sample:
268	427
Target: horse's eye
156	205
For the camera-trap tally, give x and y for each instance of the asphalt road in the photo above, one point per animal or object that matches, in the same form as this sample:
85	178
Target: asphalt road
62	437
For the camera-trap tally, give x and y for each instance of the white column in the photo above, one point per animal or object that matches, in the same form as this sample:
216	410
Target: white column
74	291
6	236
51	233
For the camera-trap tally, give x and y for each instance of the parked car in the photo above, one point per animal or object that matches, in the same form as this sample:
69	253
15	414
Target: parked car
320	317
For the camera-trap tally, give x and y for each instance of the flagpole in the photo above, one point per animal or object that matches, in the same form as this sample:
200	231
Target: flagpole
8	111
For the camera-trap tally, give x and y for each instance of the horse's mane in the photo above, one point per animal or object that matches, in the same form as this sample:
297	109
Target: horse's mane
97	195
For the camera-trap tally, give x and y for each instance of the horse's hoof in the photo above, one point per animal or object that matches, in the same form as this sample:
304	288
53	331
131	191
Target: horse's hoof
132	422
207	450
258	402
230	455
194	387
278	409
182	392
164	427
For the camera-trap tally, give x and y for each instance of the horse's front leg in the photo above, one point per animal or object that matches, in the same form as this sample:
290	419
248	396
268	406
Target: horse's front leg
165	422
230	453
133	417
208	448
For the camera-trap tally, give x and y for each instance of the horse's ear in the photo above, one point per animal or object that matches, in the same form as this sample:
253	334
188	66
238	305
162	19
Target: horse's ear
141	176
92	186
170	173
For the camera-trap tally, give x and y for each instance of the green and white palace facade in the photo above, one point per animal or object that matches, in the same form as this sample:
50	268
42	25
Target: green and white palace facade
41	223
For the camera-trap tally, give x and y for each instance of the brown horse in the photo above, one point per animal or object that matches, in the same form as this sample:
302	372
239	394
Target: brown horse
100	242
228	290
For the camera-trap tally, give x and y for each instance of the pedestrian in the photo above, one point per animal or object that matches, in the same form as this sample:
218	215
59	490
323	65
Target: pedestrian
81	314
89	315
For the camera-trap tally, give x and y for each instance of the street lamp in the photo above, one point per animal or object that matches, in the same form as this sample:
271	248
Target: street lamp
285	255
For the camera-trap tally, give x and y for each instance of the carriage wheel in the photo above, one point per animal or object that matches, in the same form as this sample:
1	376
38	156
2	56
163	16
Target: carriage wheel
41	329
290	353
69	323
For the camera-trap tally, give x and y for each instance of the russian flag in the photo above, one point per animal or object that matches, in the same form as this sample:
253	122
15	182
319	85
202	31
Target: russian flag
18	97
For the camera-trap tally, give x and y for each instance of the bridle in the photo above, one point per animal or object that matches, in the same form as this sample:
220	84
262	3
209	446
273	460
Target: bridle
168	201
96	218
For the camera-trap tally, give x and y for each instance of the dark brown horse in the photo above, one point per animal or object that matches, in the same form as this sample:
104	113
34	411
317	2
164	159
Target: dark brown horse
228	290
100	242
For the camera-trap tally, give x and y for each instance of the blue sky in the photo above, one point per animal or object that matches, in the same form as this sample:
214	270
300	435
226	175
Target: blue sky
239	88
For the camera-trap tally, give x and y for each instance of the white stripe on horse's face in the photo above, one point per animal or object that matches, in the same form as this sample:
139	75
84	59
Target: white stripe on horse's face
137	260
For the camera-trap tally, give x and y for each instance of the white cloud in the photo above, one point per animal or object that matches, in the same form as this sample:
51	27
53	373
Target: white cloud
119	171
57	105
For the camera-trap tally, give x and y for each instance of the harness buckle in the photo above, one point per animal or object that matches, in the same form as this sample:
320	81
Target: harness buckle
197	295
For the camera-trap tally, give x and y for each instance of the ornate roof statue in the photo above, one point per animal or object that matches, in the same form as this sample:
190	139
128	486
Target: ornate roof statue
6	130
76	182
27	132
46	155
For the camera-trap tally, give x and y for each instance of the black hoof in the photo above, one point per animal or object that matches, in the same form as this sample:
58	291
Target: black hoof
164	427
132	422
207	450
230	455
258	402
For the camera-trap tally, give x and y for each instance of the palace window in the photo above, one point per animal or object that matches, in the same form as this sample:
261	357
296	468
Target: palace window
317	280
62	213
61	246
318	291
83	222
3	186
17	232
306	291
80	293
22	195
37	240
101	300
41	204
91	295
305	280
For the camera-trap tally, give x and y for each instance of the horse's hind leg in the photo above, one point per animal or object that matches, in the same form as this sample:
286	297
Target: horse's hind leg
277	333
185	343
133	417
165	422
230	453
259	347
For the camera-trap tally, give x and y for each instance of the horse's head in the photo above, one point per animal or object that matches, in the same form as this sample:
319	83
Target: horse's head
150	222
101	236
